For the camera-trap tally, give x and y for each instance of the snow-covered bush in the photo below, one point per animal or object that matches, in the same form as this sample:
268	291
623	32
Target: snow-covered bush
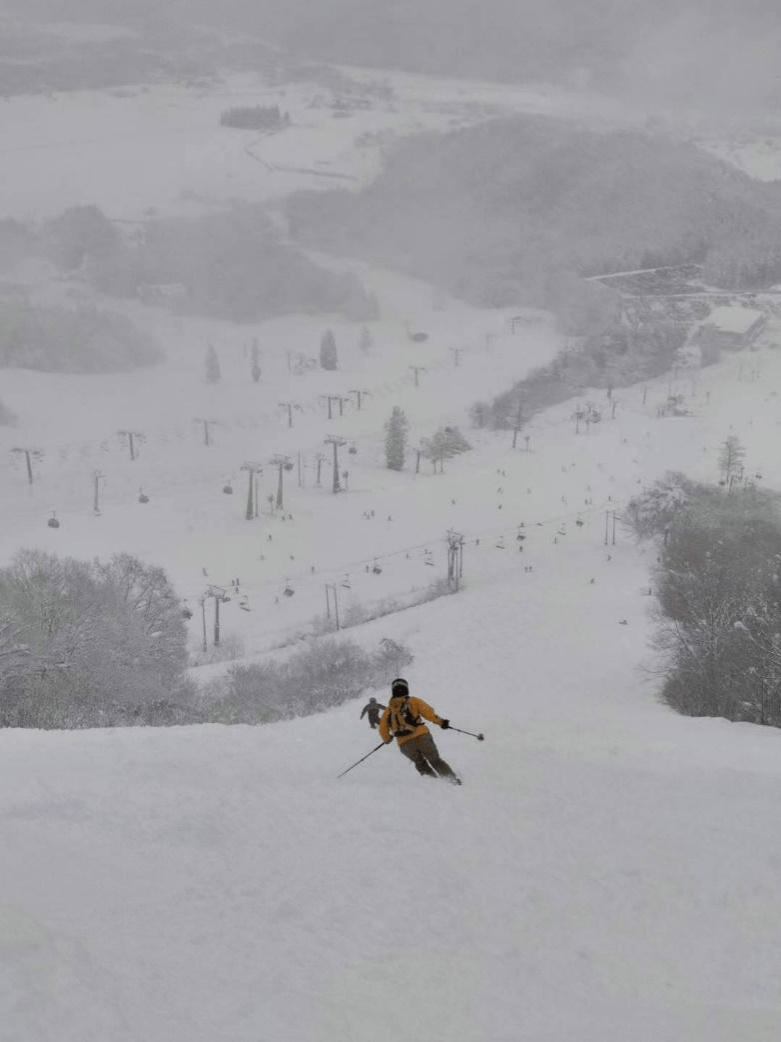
322	675
80	340
92	644
719	631
79	234
230	648
651	512
445	443
613	357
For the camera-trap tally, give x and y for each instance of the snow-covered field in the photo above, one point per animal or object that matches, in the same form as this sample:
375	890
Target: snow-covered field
93	147
758	155
607	872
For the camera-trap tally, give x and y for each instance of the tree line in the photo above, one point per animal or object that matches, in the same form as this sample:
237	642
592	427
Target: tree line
255	117
230	264
514	211
444	443
718	586
104	644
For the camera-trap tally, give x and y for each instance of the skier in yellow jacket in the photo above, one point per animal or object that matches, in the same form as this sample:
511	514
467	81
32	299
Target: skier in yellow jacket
403	720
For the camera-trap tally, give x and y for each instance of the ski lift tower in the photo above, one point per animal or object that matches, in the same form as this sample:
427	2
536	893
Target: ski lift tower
336	442
220	596
455	558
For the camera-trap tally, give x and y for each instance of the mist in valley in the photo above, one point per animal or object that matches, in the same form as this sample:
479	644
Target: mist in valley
710	54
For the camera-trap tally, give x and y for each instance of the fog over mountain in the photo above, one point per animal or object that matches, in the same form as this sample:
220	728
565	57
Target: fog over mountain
709	53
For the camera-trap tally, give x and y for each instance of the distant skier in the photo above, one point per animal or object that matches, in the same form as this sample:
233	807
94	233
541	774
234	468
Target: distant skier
403	721
374	709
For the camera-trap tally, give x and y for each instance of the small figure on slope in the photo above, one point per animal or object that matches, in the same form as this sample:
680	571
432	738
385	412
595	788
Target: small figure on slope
373	708
403	720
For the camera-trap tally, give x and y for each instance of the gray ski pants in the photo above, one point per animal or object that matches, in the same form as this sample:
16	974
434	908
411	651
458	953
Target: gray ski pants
425	755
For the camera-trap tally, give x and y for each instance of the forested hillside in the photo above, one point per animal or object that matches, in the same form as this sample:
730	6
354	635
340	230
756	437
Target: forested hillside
229	264
507	212
672	48
706	53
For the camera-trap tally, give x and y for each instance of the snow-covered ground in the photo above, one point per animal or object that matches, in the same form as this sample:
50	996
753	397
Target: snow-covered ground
190	524
608	871
758	155
92	147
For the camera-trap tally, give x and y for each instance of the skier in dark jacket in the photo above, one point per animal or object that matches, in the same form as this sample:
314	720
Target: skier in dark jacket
403	720
373	708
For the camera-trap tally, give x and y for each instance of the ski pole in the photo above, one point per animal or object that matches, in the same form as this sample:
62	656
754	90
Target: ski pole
366	757
479	737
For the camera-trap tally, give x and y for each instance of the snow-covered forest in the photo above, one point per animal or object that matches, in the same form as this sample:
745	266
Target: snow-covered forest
313	376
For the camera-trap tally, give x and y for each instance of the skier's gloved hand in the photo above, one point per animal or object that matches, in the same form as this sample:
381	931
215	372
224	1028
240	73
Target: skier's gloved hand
445	724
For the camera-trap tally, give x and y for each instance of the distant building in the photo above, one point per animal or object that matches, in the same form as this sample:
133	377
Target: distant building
732	327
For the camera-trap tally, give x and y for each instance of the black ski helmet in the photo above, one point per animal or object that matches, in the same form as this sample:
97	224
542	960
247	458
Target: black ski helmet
399	688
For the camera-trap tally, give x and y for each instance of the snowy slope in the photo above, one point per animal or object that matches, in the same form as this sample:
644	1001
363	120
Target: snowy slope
607	869
607	872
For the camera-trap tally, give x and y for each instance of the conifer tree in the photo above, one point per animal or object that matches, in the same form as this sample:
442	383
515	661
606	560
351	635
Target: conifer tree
365	341
212	365
731	458
255	356
328	358
396	439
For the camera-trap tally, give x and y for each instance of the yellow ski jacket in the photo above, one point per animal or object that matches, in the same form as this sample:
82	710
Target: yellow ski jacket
402	719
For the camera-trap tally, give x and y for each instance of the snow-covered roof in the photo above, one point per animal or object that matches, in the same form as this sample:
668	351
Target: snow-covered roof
733	319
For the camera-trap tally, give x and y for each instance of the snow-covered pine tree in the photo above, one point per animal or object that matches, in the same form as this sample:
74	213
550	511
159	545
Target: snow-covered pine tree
396	439
731	458
255	358
365	341
213	373
328	356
